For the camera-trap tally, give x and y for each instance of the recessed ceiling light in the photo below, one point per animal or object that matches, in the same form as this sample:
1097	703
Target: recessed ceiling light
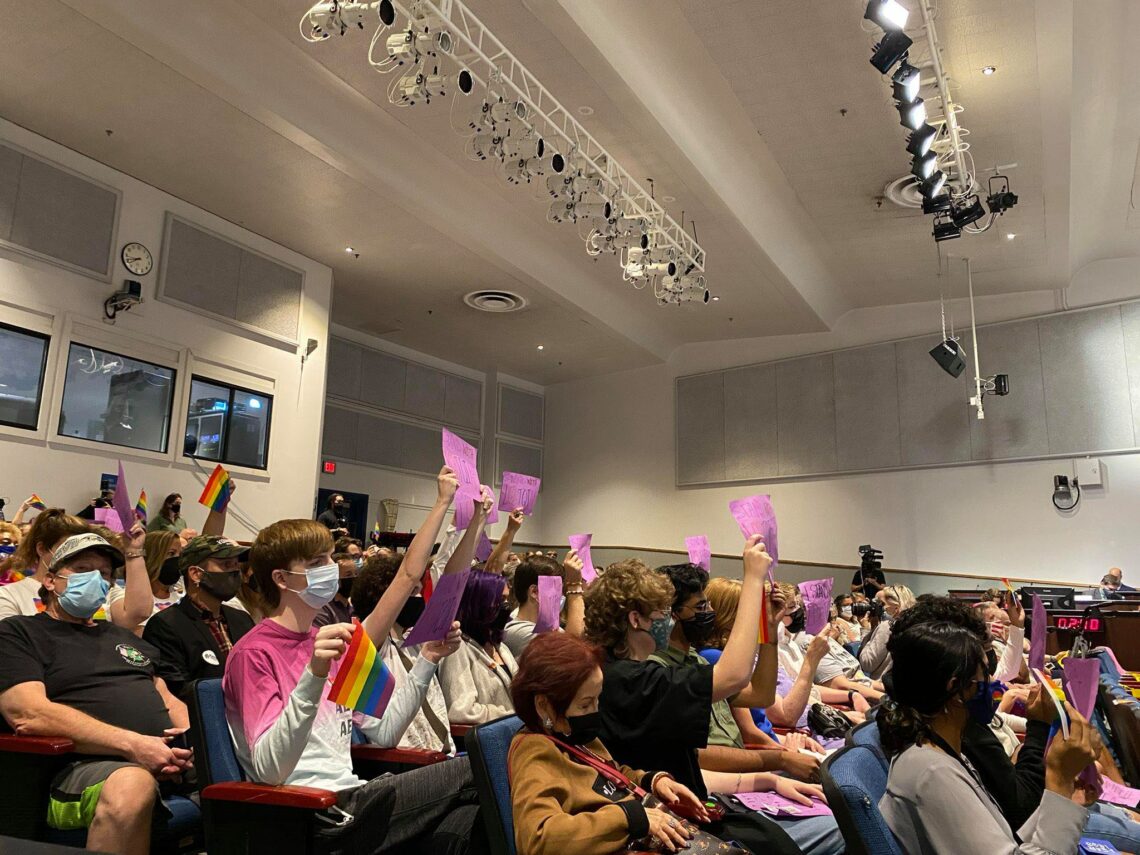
716	299
1010	236
349	249
668	200
585	110
989	69
540	347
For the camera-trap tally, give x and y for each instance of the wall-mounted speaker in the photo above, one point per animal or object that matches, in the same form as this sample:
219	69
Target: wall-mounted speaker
949	356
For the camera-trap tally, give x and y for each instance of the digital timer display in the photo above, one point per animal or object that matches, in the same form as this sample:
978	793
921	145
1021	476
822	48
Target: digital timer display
1093	624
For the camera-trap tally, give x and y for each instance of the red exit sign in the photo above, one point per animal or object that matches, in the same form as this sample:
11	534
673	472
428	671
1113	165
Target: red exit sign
329	467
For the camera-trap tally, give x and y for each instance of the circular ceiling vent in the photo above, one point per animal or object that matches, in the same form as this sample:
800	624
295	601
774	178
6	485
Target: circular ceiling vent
495	301
904	192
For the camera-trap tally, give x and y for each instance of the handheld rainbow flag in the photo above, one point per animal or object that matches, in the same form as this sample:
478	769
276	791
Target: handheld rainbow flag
1008	586
363	682
140	507
216	495
765	634
36	502
376	531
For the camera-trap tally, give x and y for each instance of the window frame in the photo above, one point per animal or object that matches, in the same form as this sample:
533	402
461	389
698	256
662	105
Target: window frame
224	461
46	338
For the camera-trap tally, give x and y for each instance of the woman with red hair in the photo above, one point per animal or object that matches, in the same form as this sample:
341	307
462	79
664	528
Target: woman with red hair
568	794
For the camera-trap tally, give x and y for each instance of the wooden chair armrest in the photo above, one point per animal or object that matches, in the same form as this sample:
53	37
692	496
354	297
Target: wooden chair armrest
402	756
460	729
35	744
264	794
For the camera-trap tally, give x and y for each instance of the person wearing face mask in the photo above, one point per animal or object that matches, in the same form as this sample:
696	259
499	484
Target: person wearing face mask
169	518
851	630
160	554
519	632
9	539
196	635
287	731
874	657
32	558
562	802
340	609
65	675
333	516
657	716
936	801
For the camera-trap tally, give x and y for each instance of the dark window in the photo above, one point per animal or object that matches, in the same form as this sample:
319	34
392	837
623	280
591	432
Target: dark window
227	424
23	362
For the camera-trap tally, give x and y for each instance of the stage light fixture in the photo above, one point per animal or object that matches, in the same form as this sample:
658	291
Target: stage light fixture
890	50
1003	199
921	140
967	214
912	115
906	82
944	229
922	167
933	185
888	14
936	204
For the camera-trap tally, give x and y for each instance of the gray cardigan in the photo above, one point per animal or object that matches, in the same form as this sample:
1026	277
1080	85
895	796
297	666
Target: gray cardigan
873	656
933	805
475	688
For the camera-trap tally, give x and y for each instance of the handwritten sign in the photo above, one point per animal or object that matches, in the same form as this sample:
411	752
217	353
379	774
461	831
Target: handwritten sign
1118	794
483	547
439	613
699	551
755	515
549	603
774	804
109	517
519	491
464	508
1037	635
461	456
121	500
1081	679
580	543
817	603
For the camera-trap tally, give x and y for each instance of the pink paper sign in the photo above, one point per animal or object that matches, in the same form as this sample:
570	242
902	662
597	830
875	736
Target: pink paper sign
109	517
1081	679
461	456
774	804
493	514
755	515
483	547
439	613
1118	794
699	552
580	543
121	500
519	491
549	603
1037	635
464	508
817	604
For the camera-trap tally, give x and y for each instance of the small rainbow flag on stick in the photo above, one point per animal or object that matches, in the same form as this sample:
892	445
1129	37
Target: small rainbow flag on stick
764	634
363	682
36	502
376	531
140	507
216	495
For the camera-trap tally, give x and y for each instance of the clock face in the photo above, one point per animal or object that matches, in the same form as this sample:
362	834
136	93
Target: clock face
137	259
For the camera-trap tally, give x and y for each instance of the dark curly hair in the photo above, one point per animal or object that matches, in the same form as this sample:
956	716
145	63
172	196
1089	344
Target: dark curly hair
687	579
930	609
372	580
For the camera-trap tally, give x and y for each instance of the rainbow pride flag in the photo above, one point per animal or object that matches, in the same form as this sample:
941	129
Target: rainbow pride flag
37	503
427	585
216	495
764	633
140	507
376	531
363	682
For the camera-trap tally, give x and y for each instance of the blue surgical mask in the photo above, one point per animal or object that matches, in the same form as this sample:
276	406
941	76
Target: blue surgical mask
84	594
661	629
323	584
981	706
7	549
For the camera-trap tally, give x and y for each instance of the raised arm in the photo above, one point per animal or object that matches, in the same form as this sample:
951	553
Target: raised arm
379	623
572	588
503	547
460	559
734	669
138	599
761	691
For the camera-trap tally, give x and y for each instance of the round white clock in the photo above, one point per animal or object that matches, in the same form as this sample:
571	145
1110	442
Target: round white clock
137	259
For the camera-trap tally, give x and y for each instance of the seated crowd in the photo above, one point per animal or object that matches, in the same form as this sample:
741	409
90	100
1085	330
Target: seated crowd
644	711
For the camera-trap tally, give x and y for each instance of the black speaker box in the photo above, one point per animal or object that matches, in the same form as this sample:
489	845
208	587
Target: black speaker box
949	357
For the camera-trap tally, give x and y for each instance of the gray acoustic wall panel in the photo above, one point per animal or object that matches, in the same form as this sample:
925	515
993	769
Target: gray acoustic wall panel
10	161
64	216
420	450
1130	320
1014	425
700	429
383	379
933	417
269	296
201	270
805	395
343	369
1086	381
424	392
339	436
462	402
520	413
380	441
524	459
867	408
751	448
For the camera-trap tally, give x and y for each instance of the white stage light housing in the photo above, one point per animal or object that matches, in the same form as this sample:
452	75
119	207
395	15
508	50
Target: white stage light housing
933	185
562	211
558	185
502	111
923	166
660	268
888	14
907	81
912	115
401	47
593	209
557	163
441	84
921	140
525	145
632	240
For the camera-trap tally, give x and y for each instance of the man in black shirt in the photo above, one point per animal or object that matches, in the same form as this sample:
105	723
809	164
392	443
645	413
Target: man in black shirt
333	516
63	674
869	581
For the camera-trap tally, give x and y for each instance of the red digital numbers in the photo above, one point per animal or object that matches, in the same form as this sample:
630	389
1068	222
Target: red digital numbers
1063	622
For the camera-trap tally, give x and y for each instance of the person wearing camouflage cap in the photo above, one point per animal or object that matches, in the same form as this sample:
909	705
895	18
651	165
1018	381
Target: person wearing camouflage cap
196	635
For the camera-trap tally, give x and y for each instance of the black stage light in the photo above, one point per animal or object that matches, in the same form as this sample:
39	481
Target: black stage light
1000	200
888	14
922	167
890	50
913	114
1001	384
945	229
906	82
921	140
964	214
949	356
933	185
936	205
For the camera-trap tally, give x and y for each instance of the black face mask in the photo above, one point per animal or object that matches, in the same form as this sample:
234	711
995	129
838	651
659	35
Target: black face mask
176	510
410	613
339	507
699	627
345	587
169	573
221	585
499	621
799	621
583	728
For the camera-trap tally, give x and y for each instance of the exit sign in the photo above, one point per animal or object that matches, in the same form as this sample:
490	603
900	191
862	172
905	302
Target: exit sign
329	467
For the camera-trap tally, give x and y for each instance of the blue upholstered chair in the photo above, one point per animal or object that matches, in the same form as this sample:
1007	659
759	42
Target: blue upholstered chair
854	779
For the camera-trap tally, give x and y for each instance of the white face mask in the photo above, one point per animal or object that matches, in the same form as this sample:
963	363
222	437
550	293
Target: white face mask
323	583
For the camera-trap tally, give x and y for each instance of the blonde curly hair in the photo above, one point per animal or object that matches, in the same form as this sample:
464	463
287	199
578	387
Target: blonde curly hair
624	587
724	596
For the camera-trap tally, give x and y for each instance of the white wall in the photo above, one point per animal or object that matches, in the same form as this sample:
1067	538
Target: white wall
68	475
610	470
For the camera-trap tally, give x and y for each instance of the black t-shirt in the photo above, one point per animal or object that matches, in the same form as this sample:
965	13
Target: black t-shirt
330	519
101	670
655	717
861	577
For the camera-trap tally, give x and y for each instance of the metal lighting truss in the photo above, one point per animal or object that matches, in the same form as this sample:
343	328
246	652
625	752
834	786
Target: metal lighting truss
952	143
494	67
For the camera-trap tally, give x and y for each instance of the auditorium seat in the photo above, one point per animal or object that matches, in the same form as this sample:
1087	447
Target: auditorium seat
854	779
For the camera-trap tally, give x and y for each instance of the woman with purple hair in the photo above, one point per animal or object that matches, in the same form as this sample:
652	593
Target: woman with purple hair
476	679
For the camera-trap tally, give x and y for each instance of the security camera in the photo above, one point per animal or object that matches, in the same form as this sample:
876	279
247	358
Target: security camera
122	300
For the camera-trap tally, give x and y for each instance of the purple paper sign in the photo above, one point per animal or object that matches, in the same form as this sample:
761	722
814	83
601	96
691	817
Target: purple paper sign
817	603
580	543
121	500
519	491
549	603
699	552
493	514
464	508
774	804
109	517
1081	679
1118	794
483	547
461	456
439	613
755	515
1037	636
